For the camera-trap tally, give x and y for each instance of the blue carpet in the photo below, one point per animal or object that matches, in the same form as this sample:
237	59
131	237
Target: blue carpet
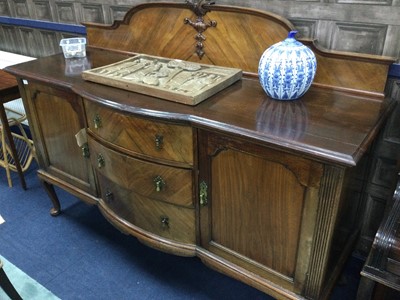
79	255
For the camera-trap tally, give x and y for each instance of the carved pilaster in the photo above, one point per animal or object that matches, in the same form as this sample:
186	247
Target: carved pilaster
329	198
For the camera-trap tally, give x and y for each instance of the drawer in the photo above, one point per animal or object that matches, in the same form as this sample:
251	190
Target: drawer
159	182
166	220
141	136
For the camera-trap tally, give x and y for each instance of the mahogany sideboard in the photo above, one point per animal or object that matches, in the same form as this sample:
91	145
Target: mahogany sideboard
265	191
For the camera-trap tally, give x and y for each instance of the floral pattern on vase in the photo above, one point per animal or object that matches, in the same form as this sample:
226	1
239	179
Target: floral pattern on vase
287	69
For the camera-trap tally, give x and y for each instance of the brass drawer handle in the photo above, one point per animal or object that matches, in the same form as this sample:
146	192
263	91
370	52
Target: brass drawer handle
100	161
109	196
159	183
97	121
203	194
164	222
159	141
85	151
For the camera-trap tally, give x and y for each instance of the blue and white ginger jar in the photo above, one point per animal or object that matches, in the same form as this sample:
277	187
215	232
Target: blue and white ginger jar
287	69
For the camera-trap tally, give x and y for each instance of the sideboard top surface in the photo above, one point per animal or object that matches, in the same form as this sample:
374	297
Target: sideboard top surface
324	124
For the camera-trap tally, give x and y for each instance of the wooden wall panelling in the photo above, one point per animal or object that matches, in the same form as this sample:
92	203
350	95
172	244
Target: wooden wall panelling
392	43
11	41
306	27
66	13
381	184
379	2
93	13
385	168
375	203
29	38
4	8
50	41
362	38
43	10
117	12
22	9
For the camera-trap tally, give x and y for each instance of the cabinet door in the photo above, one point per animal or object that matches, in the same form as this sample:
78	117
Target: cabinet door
253	212
55	117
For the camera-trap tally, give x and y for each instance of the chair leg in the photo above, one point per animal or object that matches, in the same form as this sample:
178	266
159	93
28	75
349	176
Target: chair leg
5	158
7	286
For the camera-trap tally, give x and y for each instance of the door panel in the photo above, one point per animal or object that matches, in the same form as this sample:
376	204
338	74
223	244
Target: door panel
255	204
59	116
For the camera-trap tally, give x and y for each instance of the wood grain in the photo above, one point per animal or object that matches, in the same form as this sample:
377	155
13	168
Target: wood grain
56	117
137	175
137	135
238	40
147	213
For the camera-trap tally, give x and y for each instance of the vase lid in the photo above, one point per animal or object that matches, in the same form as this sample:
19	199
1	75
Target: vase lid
292	34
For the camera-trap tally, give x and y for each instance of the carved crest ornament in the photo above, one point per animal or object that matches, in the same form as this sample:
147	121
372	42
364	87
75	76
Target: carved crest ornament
200	8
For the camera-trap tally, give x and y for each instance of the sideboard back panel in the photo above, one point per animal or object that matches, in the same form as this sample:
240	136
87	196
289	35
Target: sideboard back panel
231	37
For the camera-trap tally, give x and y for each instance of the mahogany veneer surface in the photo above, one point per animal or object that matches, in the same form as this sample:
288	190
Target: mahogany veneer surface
324	123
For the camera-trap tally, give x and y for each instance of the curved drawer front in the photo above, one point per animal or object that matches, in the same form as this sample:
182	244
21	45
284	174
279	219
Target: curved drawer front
169	184
146	137
166	220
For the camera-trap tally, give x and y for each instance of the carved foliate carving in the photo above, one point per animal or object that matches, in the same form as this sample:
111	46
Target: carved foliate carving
200	8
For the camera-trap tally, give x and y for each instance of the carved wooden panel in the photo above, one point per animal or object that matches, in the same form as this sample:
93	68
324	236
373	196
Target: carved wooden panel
364	38
392	42
49	40
117	12
306	27
377	2
10	38
392	131
386	154
381	184
42	10
385	168
66	13
92	13
4	8
375	207
29	40
21	9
